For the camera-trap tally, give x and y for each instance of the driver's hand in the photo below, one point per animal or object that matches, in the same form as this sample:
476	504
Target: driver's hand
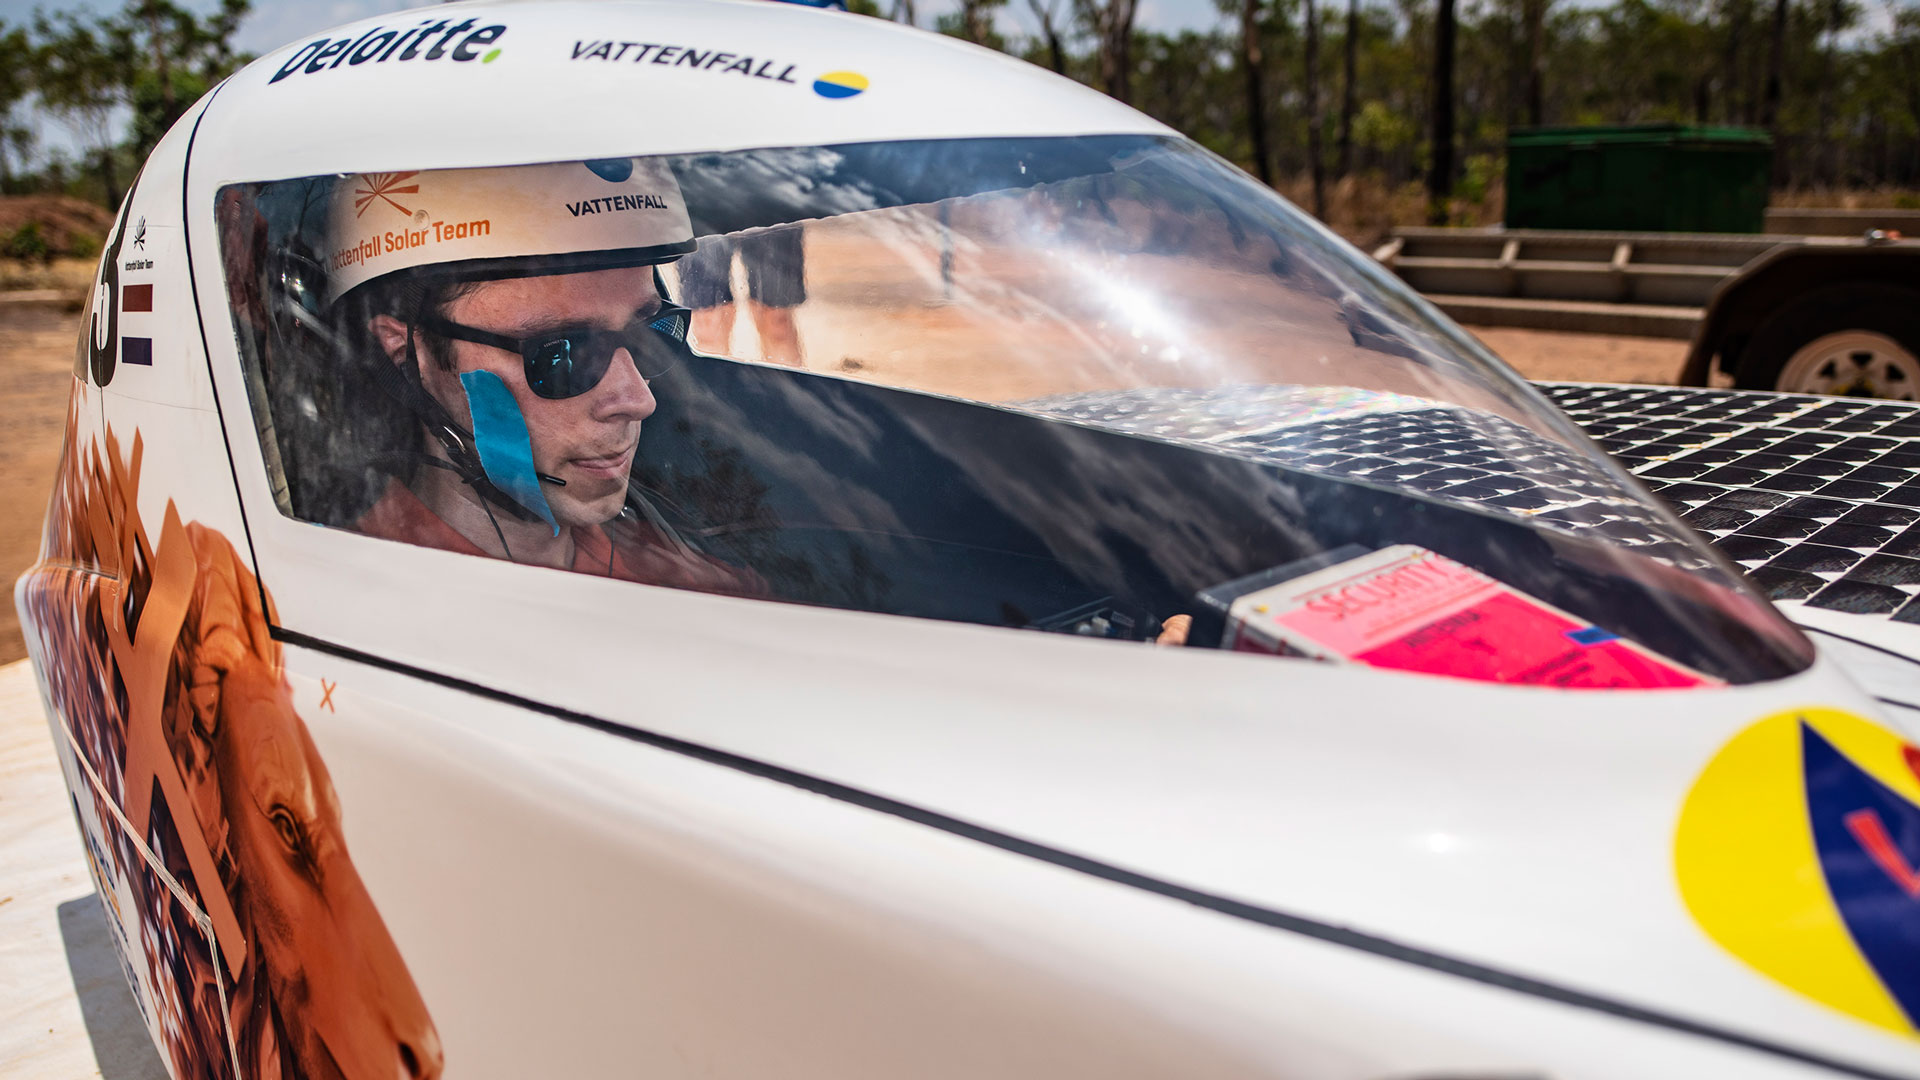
1174	630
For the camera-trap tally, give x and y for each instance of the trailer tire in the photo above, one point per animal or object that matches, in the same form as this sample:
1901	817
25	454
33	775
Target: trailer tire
1851	340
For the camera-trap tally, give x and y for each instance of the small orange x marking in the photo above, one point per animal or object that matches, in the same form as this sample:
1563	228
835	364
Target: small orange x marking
326	694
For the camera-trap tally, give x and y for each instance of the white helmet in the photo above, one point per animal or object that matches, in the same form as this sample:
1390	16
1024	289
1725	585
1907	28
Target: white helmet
490	222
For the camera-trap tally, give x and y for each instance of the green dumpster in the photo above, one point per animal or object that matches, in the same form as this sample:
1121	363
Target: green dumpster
1640	178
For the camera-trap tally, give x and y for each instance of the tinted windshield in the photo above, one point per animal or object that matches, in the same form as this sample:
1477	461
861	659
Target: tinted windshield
1106	386
1157	267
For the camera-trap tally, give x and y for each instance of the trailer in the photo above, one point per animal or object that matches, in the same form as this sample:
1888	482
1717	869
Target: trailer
1834	309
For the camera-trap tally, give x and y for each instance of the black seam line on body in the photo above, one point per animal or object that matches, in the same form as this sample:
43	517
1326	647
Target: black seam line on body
1863	644
200	320
1278	920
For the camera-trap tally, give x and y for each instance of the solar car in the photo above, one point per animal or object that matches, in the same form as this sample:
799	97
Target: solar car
734	540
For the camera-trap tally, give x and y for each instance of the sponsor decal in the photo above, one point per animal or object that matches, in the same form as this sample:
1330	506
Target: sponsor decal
726	63
383	186
432	39
617	202
135	300
612	170
211	821
1405	608
140	234
1798	850
386	190
615	171
834	84
101	350
840	84
389	241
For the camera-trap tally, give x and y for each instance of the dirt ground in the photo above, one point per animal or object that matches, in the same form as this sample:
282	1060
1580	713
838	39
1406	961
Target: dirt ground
36	372
1554	357
36	365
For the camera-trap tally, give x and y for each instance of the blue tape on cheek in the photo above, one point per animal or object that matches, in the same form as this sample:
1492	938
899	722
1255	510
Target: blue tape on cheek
500	435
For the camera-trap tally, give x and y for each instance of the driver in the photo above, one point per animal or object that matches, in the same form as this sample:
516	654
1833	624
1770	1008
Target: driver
518	316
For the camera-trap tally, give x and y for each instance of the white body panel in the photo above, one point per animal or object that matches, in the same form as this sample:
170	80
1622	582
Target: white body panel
642	910
922	86
1335	794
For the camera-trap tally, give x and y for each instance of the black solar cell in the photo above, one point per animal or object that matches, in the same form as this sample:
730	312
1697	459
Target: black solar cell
1852	544
1817	498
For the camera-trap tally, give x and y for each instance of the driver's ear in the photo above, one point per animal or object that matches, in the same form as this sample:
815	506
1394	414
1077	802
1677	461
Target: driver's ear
391	333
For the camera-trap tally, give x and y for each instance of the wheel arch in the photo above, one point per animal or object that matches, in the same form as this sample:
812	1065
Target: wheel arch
1768	284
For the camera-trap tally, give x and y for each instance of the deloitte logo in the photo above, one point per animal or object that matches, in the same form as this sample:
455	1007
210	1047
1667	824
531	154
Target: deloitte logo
431	40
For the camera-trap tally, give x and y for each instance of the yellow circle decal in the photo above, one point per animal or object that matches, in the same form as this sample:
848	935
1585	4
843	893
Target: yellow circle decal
840	84
1798	850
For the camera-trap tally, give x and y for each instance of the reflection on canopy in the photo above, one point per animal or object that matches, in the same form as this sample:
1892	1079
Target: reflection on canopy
1075	384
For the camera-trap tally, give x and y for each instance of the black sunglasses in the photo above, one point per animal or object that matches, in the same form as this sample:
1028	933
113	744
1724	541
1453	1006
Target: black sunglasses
568	363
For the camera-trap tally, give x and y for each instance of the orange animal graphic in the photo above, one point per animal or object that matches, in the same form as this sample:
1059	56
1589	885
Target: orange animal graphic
162	669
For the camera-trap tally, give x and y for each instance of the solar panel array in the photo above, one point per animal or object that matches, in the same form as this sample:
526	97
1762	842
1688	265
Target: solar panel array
1816	498
1446	452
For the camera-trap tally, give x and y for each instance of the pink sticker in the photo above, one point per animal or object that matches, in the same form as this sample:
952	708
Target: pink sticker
1409	609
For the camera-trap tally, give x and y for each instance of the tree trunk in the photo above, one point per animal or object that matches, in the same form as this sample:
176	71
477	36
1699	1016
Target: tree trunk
1056	53
1535	12
108	179
1250	60
1829	161
1910	78
1510	43
1316	163
1116	49
976	21
1349	77
1731	89
1776	59
1440	171
160	50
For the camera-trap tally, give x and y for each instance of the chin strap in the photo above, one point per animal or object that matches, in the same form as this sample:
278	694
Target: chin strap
460	447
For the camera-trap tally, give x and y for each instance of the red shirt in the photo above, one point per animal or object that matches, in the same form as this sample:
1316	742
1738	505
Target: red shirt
631	552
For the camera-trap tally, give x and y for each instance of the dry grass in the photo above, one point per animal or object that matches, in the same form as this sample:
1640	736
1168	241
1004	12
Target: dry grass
1849	198
69	226
71	277
50	242
36	377
1364	209
1566	357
